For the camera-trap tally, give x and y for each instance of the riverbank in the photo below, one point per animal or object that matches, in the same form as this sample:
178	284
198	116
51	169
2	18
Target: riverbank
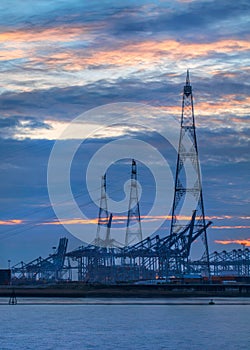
79	290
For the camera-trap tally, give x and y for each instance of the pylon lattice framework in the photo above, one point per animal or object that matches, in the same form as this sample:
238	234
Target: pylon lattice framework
183	187
103	216
133	229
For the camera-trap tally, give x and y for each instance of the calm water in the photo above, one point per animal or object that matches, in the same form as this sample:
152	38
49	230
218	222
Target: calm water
148	324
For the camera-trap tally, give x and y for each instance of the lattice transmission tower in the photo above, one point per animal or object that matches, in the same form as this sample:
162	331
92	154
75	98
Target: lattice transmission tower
104	220
103	216
133	228
188	200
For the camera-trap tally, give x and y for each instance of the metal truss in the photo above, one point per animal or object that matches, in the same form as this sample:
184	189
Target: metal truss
235	263
51	268
188	190
103	216
153	256
133	230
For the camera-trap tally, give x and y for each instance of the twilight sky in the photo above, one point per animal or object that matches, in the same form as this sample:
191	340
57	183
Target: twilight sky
61	58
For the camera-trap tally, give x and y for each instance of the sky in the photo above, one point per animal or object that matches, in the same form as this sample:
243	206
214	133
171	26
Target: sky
59	59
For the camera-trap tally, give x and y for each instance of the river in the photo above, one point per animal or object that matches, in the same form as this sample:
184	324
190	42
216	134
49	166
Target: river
105	324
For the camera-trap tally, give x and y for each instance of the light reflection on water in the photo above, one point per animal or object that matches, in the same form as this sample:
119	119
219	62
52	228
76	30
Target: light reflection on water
155	324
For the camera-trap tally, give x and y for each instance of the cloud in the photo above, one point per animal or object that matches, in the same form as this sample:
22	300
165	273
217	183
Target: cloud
191	20
131	54
60	45
244	242
18	127
59	59
118	219
11	222
230	228
43	34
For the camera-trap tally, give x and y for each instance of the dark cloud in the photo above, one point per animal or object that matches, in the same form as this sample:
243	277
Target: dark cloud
29	160
17	121
66	103
197	20
194	21
223	144
24	195
224	164
13	125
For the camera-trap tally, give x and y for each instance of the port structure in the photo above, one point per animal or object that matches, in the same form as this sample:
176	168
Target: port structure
53	267
154	256
105	261
145	261
108	241
226	263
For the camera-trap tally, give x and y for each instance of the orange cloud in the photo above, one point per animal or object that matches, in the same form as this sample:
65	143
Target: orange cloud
150	51
32	46
74	221
115	219
245	242
230	74
227	104
11	222
57	34
130	54
122	219
11	54
231	227
27	43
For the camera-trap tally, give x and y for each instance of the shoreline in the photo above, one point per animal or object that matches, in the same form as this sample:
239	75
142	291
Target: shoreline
195	301
126	291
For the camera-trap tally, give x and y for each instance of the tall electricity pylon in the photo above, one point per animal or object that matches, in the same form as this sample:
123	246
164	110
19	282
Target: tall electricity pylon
103	216
188	199
133	230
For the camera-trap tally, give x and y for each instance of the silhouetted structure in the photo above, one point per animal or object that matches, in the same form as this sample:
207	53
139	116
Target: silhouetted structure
51	268
188	190
103	213
153	257
133	230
